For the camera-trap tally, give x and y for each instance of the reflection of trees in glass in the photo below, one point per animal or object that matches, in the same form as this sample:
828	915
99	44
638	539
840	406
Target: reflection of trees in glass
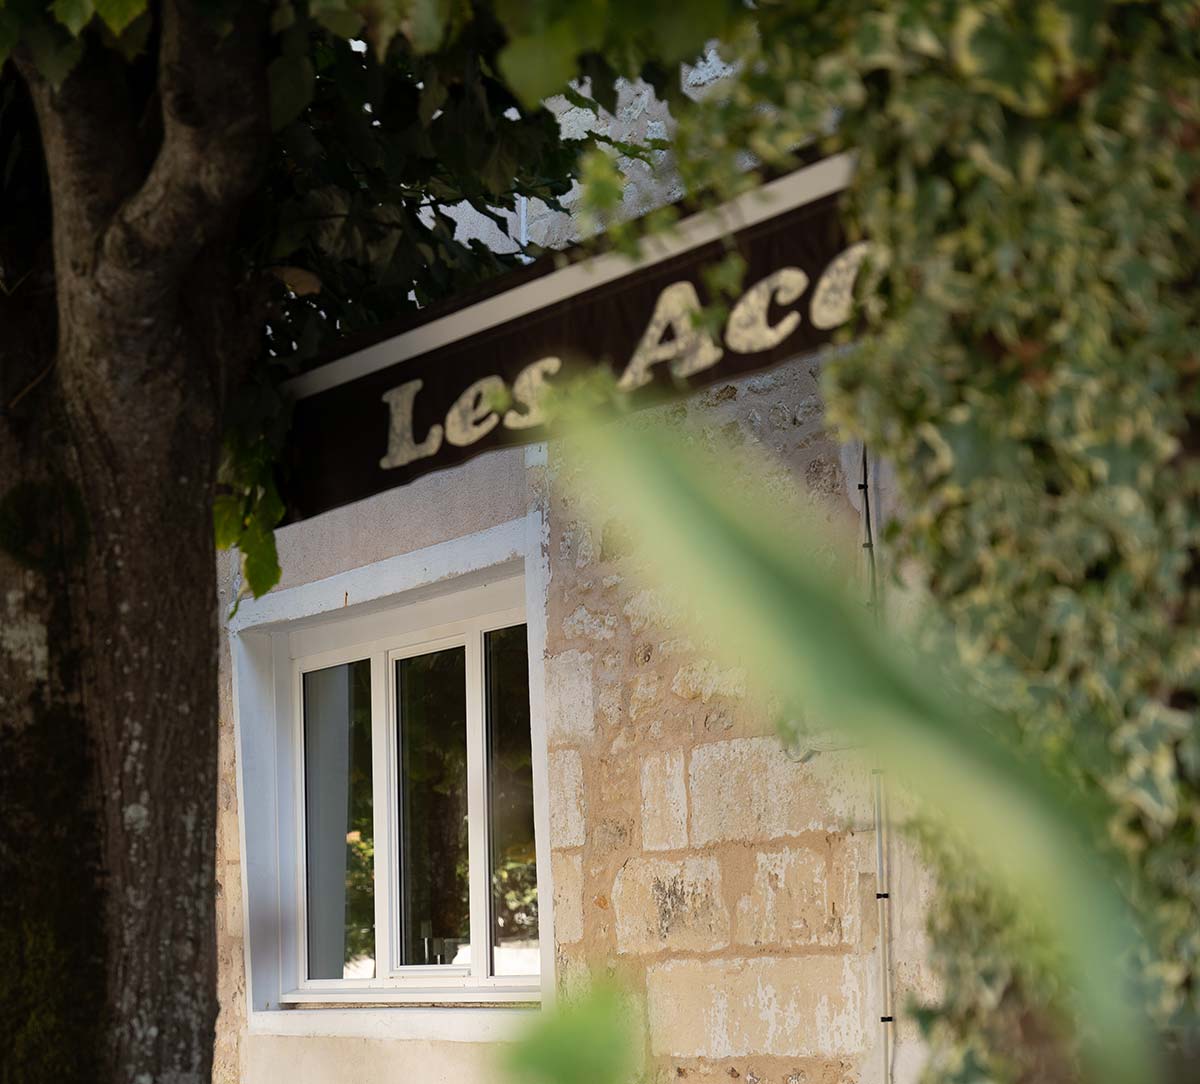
510	781
433	851
360	839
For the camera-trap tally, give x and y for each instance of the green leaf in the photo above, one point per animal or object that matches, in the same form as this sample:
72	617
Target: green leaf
539	65
131	42
588	1041
260	560
581	101
720	541
291	80
228	520
1007	60
74	14
118	14
54	54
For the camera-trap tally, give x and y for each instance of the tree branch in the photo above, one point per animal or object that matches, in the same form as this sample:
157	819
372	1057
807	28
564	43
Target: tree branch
212	86
89	140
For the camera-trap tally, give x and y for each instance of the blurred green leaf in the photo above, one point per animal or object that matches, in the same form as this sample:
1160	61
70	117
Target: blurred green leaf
584	1041
118	14
54	53
74	14
723	541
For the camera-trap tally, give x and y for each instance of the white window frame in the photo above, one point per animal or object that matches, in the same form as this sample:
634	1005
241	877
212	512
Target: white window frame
405	605
383	654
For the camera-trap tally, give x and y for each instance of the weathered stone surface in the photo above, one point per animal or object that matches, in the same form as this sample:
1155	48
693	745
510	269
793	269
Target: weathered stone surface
797	1006
800	897
230	885
566	799
644	694
582	622
229	843
748	789
665	904
664	802
704	679
576	544
649	609
567	871
569	702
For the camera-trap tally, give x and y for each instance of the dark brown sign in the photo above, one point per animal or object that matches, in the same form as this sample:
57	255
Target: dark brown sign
468	381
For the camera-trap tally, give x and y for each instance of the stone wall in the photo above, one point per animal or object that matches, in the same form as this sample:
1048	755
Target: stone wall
728	883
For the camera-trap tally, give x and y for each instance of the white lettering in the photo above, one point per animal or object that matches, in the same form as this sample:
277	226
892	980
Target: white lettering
401	448
748	331
473	414
833	299
527	390
689	351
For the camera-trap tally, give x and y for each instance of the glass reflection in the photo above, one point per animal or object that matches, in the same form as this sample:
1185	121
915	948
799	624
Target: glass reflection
339	822
513	865
435	925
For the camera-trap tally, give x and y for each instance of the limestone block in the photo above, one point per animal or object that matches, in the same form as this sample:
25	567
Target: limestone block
644	694
566	799
591	626
664	802
704	679
569	702
749	789
796	1006
567	871
651	609
800	897
670	904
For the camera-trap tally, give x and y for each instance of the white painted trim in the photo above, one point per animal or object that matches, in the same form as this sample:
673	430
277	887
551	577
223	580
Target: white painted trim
456	992
454	1024
264	700
422	568
796	189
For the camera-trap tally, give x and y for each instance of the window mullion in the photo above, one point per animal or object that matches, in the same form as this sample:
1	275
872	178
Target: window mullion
477	829
383	807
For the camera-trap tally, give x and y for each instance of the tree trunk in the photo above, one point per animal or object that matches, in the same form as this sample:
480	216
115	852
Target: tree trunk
118	354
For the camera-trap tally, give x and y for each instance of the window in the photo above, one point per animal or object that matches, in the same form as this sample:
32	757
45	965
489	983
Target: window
391	754
417	864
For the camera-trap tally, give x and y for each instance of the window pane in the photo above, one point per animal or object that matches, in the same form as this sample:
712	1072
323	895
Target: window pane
510	794
339	826
435	925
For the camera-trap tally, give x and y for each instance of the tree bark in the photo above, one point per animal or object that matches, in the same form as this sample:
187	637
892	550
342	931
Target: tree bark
119	352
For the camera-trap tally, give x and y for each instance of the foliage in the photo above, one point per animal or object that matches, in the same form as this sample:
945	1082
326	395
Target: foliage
589	1041
1027	174
718	536
352	226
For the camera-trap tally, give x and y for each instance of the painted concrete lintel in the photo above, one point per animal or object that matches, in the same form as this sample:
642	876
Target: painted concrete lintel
393	576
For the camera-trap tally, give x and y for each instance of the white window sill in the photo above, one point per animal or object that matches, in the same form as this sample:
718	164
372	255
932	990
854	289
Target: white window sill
370	996
439	1023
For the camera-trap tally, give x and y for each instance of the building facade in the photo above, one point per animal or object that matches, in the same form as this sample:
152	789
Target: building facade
729	884
472	760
